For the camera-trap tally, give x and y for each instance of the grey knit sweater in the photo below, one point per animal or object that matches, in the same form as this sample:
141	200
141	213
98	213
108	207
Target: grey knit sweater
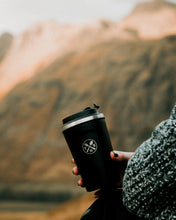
149	186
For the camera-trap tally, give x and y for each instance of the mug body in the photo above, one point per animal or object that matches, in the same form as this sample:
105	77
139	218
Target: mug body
89	142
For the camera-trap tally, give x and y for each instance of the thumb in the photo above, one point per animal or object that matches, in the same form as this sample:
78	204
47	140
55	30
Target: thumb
120	155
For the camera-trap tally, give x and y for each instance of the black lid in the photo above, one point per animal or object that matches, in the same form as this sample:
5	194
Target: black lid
88	111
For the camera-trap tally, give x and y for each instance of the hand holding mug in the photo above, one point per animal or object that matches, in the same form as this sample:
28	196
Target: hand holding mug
120	157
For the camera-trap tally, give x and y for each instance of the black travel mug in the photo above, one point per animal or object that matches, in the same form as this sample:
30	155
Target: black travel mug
87	137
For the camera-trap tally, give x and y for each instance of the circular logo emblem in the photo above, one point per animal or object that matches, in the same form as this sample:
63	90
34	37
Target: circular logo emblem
89	146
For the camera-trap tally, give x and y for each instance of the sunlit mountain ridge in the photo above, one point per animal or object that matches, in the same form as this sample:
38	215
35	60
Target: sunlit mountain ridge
44	42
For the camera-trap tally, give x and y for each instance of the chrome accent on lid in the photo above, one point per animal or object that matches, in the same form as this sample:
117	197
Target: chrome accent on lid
81	120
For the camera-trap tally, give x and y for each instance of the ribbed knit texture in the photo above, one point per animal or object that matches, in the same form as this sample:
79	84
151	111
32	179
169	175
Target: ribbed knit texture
149	186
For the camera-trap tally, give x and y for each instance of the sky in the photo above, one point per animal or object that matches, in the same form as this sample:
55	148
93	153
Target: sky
17	15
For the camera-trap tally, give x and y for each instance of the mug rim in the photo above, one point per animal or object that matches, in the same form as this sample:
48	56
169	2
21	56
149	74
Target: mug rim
81	120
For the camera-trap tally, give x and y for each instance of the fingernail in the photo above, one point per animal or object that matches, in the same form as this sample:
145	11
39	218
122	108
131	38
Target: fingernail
115	154
73	170
79	183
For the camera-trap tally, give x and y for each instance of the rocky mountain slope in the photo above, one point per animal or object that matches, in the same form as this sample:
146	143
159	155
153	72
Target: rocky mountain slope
152	19
44	42
132	79
5	43
133	82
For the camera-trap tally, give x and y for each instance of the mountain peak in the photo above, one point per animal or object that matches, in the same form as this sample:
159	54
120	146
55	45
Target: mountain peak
153	6
153	19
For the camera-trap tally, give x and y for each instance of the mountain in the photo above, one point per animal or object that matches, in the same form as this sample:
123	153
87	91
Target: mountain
152	19
130	76
44	42
134	92
5	43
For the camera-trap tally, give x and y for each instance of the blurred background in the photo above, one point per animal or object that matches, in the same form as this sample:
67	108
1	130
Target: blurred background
56	58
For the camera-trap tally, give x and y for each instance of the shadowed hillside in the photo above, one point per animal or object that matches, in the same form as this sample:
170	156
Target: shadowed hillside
5	42
133	82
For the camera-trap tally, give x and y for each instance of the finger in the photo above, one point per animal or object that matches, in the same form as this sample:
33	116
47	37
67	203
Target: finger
114	155
73	161
98	193
117	156
120	155
81	183
75	171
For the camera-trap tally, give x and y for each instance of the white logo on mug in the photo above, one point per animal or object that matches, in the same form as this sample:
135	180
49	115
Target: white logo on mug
89	146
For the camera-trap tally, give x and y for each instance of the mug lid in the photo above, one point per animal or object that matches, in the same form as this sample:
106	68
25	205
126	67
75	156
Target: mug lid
85	113
83	116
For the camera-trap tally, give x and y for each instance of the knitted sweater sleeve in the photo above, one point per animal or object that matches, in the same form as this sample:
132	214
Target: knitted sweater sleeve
149	185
